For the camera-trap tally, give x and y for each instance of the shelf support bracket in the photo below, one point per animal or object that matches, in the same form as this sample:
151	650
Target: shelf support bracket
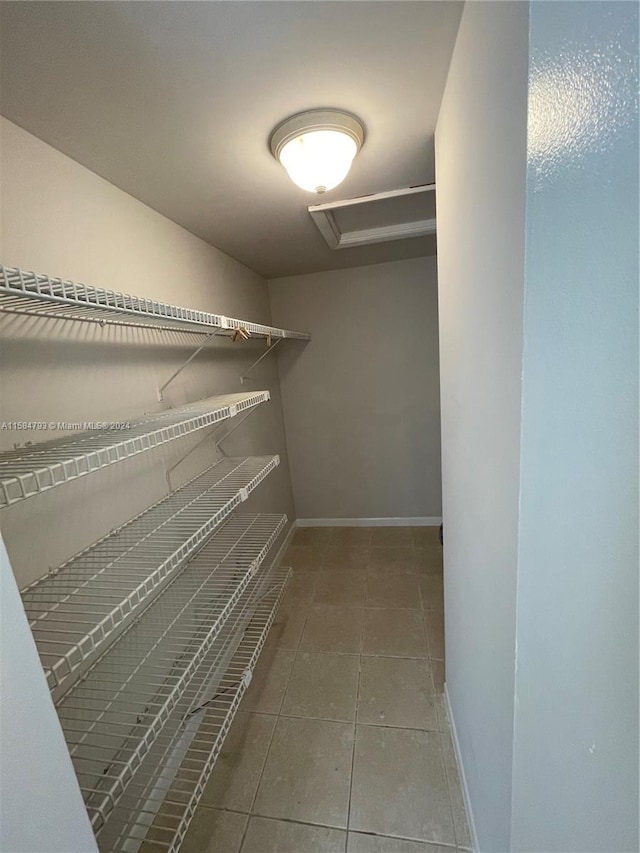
238	422
177	372
183	457
235	426
245	375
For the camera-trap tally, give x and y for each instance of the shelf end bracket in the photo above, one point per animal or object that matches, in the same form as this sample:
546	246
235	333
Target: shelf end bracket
269	349
177	372
237	422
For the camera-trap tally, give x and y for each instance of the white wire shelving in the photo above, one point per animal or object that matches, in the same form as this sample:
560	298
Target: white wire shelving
120	717
28	471
149	637
155	811
76	610
30	293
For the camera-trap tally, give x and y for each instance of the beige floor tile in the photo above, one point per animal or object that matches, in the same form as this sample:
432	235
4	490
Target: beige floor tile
426	536
213	830
300	589
318	536
397	692
399	785
395	559
333	629
392	536
344	589
385	590
360	843
266	835
432	592
399	633
307	773
287	629
428	560
269	681
434	620
345	558
351	535
461	827
236	774
437	673
304	558
324	686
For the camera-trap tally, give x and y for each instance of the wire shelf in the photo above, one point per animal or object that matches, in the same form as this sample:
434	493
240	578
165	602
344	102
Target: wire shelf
29	471
112	718
155	811
76	609
34	294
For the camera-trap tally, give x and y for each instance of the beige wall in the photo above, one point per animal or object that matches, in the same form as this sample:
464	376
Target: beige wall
59	218
480	178
361	401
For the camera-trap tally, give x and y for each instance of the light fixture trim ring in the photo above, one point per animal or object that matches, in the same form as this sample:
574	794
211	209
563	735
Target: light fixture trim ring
313	120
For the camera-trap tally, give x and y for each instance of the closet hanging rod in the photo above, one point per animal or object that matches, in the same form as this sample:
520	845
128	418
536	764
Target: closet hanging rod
35	294
30	470
75	611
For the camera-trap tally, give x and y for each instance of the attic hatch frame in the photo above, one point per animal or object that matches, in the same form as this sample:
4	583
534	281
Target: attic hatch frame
322	215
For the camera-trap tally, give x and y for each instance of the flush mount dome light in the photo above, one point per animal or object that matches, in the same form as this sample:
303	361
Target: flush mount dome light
317	147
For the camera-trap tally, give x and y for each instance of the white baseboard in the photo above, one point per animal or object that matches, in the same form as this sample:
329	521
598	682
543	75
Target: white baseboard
463	778
413	521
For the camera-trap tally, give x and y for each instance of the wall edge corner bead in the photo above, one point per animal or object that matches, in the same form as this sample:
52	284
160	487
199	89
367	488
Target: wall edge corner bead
148	638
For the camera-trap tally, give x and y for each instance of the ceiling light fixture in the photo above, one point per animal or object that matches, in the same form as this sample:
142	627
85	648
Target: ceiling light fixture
317	147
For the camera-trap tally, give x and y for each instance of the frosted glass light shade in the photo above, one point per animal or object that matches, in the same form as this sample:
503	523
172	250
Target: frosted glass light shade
320	160
317	147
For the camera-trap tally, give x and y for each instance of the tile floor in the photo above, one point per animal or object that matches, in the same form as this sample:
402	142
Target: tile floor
342	744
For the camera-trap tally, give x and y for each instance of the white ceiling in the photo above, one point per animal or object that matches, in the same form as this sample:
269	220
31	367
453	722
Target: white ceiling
174	102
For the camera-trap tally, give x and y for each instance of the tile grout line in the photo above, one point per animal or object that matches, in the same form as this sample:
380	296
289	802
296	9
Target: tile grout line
268	750
439	844
420	595
399	728
446	776
280	716
255	793
426	636
305	605
364	654
296	652
353	748
445	844
284	820
355	724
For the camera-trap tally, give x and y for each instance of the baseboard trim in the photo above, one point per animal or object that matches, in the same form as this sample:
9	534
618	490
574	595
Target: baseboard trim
463	778
413	521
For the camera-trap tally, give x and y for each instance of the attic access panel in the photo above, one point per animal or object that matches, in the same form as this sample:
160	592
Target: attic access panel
377	218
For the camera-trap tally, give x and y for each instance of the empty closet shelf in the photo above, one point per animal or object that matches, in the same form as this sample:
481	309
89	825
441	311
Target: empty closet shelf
31	470
113	716
158	804
74	611
33	294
